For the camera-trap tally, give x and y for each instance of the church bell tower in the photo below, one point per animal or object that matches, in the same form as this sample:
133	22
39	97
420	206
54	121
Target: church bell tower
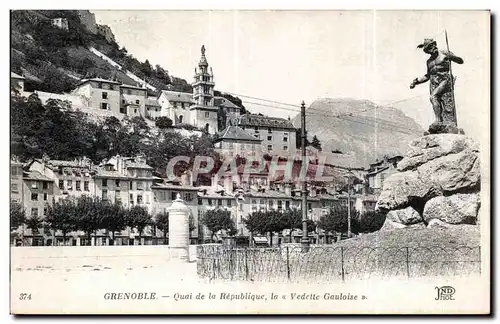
203	112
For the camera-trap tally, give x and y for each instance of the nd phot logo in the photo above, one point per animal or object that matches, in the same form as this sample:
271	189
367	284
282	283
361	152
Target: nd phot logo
445	293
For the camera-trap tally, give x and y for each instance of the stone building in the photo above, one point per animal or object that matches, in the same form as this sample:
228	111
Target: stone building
106	32
88	20
234	141
176	106
277	134
133	100
16	182
101	93
379	171
61	23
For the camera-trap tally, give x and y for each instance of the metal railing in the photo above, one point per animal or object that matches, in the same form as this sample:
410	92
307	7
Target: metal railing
325	263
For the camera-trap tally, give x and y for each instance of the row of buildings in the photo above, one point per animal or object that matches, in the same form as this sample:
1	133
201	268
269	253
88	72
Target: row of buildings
240	134
130	181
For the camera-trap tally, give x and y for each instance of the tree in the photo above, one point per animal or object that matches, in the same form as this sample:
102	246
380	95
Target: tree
89	215
221	118
161	222
139	217
292	220
34	223
60	217
371	221
192	226
17	215
266	222
337	220
218	220
163	122
113	219
146	68
316	143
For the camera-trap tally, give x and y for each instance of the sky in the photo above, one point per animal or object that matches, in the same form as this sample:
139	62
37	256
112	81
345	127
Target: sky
290	56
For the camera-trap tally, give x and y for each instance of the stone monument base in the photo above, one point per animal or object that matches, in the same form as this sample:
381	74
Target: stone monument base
444	128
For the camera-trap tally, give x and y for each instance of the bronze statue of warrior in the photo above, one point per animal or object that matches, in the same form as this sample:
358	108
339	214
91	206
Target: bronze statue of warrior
441	82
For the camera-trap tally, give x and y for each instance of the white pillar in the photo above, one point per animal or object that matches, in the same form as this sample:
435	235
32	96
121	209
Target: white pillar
178	225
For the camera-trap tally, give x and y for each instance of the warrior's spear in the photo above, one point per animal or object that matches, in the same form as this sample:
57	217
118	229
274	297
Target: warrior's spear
452	81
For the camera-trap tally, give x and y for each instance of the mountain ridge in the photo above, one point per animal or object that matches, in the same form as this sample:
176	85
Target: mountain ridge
361	130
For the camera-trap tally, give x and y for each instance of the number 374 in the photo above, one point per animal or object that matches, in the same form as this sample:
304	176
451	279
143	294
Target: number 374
24	296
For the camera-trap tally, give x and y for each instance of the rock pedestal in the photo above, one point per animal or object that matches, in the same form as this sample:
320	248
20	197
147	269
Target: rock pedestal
438	179
178	230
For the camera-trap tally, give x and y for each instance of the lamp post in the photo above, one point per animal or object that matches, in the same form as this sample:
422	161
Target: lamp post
305	238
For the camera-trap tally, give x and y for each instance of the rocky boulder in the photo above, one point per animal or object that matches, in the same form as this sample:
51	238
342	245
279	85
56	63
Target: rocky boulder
437	181
453	172
406	216
430	147
400	189
454	209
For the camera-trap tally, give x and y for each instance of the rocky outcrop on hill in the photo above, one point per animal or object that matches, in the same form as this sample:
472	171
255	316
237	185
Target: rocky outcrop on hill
438	183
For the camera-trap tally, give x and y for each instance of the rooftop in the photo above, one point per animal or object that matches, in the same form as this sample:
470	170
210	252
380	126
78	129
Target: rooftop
16	76
236	133
178	96
264	121
131	87
221	101
35	175
83	81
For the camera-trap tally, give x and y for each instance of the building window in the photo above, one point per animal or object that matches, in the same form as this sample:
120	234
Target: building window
139	185
188	197
173	195
287	205
70	185
271	204
34	213
229	203
135	110
34	196
219	202
269	147
269	130
77	185
117	182
86	185
285	139
309	206
123	110
200	201
182	105
285	148
61	184
123	101
137	102
111	87
280	205
139	199
131	199
118	196
99	85
207	114
45	196
34	185
130	185
13	187
129	92
104	95
104	105
45	185
209	202
104	194
45	209
269	138
104	182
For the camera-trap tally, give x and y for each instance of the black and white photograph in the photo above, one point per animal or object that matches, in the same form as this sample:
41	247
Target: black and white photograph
249	161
